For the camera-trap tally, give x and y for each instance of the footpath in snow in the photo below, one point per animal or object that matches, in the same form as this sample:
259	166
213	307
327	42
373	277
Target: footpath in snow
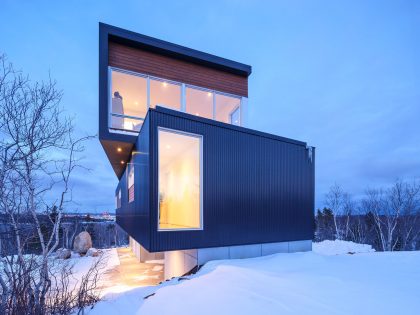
336	278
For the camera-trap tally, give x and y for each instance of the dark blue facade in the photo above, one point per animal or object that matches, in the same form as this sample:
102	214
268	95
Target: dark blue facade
257	187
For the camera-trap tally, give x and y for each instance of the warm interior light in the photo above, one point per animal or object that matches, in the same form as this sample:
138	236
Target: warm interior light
119	149
136	103
165	84
208	94
122	162
168	146
197	114
179	181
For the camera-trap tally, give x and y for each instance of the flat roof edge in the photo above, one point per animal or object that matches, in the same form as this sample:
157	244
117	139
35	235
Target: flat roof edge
134	39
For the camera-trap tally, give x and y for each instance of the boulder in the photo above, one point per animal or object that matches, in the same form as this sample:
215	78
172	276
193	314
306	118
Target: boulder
92	252
82	243
63	253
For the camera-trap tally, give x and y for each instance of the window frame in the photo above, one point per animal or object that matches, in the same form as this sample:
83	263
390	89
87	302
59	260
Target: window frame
201	174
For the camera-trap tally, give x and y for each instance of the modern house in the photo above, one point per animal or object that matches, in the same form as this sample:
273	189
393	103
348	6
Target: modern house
195	184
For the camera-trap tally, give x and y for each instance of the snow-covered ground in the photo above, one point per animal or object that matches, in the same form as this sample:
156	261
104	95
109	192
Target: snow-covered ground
325	281
81	265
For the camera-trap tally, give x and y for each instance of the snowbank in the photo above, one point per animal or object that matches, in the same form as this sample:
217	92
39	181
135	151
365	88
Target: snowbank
299	283
340	247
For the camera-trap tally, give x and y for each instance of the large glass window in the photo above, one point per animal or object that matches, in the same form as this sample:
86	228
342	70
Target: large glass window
128	101
180	174
132	95
199	102
165	94
227	109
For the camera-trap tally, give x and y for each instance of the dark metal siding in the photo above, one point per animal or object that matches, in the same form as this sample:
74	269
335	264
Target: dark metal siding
134	217
122	48
257	188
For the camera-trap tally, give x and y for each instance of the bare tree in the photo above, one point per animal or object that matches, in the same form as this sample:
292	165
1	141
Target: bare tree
395	214
38	154
342	207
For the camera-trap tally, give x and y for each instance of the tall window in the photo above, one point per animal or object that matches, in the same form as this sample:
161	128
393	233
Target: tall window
227	109
118	199
130	182
180	180
165	94
199	102
128	101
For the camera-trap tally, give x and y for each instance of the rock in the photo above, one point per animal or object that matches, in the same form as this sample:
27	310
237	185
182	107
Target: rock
82	243
92	252
63	253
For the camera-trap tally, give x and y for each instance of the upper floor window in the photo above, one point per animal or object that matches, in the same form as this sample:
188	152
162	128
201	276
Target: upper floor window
165	94
132	94
199	102
128	101
234	117
227	109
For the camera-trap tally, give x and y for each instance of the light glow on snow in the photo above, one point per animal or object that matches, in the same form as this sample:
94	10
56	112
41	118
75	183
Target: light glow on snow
298	283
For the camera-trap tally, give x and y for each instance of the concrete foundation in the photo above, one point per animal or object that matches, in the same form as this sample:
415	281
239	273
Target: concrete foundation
178	263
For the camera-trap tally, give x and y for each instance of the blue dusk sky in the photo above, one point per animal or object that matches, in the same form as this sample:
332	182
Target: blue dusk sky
343	76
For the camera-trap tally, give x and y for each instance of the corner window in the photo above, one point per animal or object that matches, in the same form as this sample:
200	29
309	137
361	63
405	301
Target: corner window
234	117
199	102
128	101
180	180
227	109
165	94
130	182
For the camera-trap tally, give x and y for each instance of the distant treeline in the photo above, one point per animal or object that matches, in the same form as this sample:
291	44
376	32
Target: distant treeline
387	219
105	232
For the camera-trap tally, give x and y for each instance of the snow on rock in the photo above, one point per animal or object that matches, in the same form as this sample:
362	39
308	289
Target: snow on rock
298	283
338	247
63	253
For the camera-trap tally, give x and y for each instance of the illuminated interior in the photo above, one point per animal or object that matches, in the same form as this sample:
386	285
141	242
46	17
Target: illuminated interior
199	102
129	101
226	107
179	181
131	96
165	94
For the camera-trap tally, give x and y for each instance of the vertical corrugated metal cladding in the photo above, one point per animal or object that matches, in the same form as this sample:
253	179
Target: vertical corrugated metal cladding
257	188
134	217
